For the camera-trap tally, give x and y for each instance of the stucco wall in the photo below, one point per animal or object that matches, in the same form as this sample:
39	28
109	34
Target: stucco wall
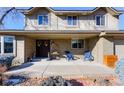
59	22
20	48
93	47
65	45
25	47
108	46
119	46
30	48
105	46
32	22
99	47
112	22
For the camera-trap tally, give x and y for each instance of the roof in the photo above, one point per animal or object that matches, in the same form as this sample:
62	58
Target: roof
74	10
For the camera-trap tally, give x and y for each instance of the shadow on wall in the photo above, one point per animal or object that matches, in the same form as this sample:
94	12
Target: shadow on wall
92	43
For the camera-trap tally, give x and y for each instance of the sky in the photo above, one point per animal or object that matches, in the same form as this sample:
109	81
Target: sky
18	23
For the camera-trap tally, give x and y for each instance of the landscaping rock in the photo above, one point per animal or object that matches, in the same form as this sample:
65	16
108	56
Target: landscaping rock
3	68
13	80
55	81
103	82
119	69
15	62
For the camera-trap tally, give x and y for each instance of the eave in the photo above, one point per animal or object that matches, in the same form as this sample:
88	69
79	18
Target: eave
85	12
53	34
63	34
49	32
115	33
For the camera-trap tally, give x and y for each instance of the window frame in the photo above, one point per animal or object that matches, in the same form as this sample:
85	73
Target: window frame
12	44
67	17
77	43
2	45
100	15
42	23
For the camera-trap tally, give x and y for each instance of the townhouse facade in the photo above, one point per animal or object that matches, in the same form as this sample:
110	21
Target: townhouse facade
48	30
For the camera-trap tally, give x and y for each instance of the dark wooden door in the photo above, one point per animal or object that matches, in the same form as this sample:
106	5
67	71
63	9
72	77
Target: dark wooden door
42	48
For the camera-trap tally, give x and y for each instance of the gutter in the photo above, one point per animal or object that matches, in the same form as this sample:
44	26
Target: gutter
54	31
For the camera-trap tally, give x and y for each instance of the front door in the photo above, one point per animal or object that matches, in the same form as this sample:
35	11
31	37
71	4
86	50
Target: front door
42	48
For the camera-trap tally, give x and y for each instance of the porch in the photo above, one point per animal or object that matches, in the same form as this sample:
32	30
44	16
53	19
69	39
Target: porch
40	45
26	43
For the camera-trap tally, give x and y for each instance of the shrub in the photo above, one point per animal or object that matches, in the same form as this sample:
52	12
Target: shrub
6	60
56	81
119	69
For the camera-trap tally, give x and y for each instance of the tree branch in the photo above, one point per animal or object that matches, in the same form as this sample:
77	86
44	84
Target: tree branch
4	15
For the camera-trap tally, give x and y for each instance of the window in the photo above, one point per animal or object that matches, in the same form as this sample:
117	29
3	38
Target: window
72	20
100	20
8	44
77	43
43	20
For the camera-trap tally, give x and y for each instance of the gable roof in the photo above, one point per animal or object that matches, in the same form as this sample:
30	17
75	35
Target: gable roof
109	9
30	10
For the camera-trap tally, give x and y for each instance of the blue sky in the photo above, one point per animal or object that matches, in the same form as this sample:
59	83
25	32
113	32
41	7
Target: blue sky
18	23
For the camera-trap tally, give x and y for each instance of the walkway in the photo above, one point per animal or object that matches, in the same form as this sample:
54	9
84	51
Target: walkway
44	68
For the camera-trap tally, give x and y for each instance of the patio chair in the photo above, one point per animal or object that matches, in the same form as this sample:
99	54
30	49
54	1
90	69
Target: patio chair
69	55
88	56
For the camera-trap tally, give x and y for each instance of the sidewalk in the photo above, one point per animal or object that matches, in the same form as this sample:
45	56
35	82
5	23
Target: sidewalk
61	67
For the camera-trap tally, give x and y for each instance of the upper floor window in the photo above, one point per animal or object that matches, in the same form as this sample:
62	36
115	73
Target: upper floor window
100	20
42	19
72	20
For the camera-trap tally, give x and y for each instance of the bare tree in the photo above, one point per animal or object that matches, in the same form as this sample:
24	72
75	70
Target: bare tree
15	14
4	11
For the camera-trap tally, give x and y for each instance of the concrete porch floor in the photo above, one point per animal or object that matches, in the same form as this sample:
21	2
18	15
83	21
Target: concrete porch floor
44	68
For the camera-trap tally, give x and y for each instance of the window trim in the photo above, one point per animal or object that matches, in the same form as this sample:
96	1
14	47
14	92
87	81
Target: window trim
76	21
42	16
100	20
2	45
77	44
